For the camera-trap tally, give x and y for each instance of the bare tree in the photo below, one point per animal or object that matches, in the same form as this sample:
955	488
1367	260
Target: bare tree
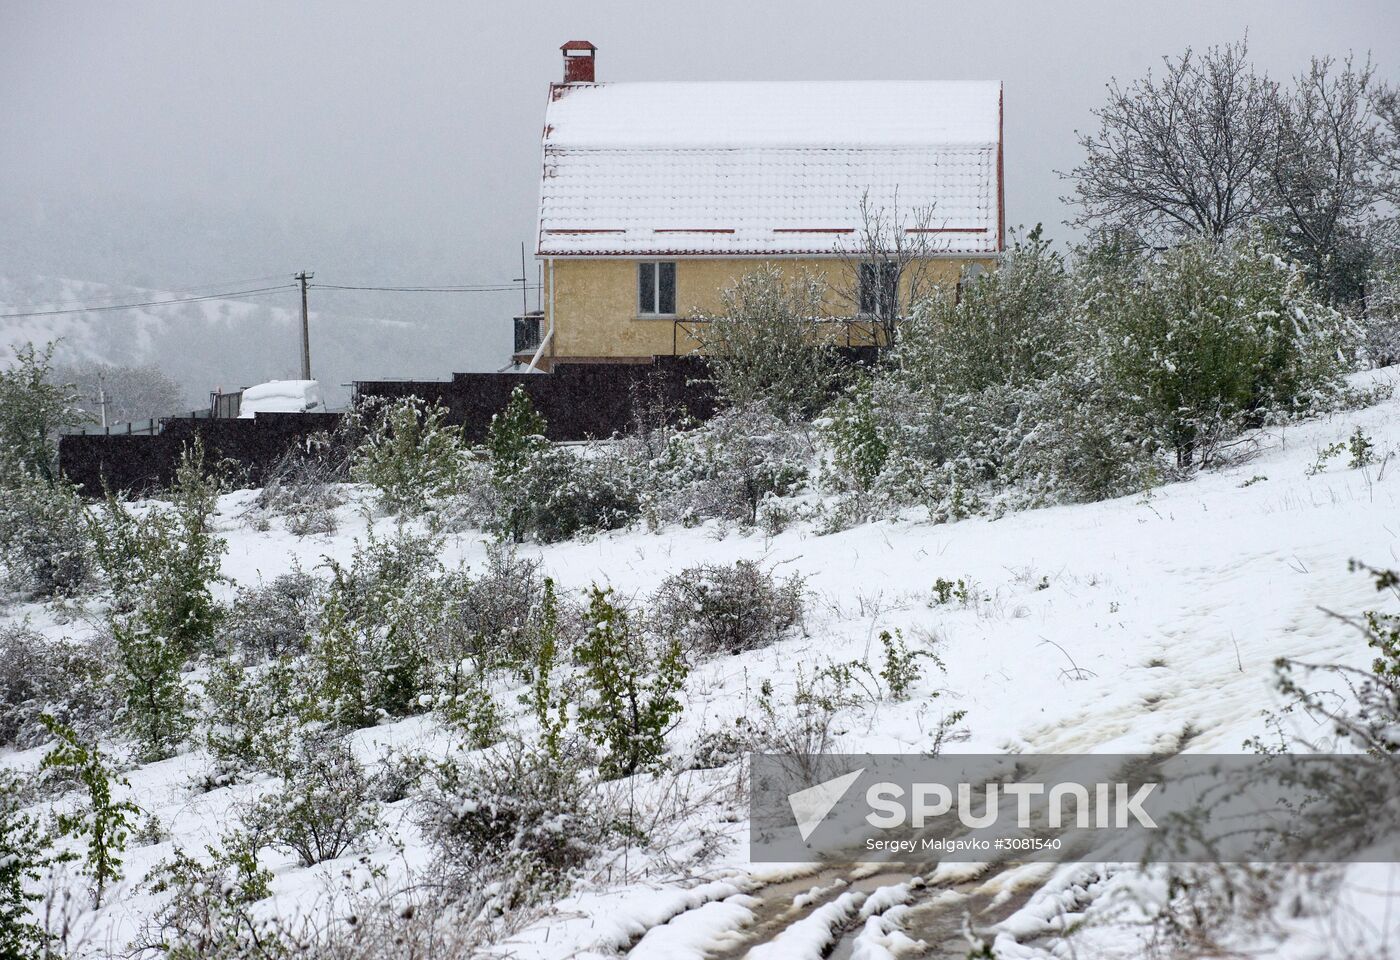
1186	153
887	265
1385	104
134	392
1325	181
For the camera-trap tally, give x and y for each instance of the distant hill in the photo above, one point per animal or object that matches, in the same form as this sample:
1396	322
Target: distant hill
218	343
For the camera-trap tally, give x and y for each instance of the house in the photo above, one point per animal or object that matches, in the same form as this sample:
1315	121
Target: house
656	196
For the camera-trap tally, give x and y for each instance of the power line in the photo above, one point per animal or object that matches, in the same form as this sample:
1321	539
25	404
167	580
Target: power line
464	288
96	301
101	304
151	303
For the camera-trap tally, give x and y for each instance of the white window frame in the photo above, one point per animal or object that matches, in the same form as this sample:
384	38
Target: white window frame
651	310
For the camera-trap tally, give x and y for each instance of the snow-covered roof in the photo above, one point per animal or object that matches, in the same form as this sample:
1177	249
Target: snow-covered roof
280	396
741	168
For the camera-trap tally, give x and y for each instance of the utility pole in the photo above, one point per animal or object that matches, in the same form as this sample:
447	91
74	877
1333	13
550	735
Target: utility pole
102	398
305	328
524	279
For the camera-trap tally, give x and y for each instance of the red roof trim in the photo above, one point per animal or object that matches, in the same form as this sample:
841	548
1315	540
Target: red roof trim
814	230
624	254
693	230
572	232
945	230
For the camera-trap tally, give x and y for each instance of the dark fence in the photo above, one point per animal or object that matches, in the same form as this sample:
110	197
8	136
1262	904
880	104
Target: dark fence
141	464
578	400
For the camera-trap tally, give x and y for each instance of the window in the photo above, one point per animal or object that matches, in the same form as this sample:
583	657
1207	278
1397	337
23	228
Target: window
656	289
879	288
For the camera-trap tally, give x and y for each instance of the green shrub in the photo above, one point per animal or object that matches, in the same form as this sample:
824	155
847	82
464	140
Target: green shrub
547	492
628	689
1037	384
273	619
32	410
408	452
161	565
729	467
547	701
154	701
25	854
514	435
859	450
104	823
378	624
205	913
900	669
1208	339
253	714
1003	329
44	542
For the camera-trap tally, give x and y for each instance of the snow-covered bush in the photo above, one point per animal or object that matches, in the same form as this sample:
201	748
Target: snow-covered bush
273	619
44	543
548	492
1038	384
380	613
253	715
718	609
513	820
767	343
1380	341
628	688
322	806
44	549
67	680
32	410
557	493
1005	328
303	487
25	854
986	402
727	468
205	913
407	451
161	565
496	617
155	704
1207	339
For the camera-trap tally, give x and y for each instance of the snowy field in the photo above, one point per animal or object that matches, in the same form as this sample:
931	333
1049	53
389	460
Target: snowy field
1144	623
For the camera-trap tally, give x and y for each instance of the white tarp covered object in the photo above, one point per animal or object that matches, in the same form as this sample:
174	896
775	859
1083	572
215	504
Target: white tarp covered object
280	396
765	168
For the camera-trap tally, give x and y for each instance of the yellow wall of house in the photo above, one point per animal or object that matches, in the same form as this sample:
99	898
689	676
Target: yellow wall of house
595	300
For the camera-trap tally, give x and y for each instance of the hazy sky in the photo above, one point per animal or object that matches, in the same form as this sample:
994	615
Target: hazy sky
172	143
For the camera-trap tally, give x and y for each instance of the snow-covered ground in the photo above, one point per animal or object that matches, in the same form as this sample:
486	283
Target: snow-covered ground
1137	624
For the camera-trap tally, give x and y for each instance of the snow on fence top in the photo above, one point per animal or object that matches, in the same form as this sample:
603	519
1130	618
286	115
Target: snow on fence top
646	169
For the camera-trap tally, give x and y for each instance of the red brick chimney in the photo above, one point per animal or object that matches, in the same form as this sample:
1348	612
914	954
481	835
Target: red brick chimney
578	61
